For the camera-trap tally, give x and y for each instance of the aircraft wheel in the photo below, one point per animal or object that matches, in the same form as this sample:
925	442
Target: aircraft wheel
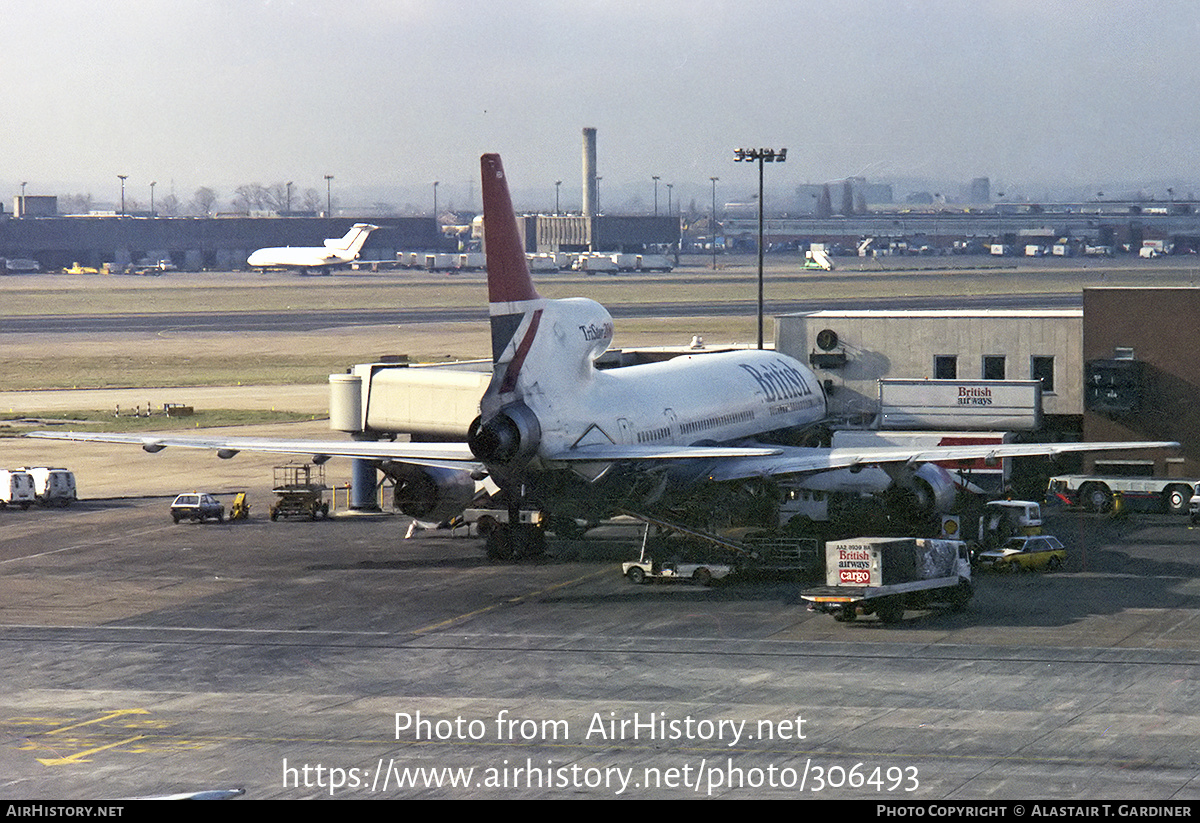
528	541
499	545
485	525
566	527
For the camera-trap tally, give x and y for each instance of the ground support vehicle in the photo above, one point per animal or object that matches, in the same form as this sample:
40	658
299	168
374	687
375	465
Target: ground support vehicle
197	507
646	568
1005	519
52	487
17	488
240	508
1097	493
885	575
300	488
1194	505
1043	551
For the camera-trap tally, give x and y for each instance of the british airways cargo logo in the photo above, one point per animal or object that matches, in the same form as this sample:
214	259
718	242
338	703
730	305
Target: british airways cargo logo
974	396
779	381
593	332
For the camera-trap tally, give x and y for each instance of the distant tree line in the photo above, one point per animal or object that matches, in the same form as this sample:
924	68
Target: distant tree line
205	201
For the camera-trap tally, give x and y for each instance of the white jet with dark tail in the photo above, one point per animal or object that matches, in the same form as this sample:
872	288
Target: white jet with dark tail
694	440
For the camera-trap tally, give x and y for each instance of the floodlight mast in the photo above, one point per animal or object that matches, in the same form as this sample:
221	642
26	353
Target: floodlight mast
762	156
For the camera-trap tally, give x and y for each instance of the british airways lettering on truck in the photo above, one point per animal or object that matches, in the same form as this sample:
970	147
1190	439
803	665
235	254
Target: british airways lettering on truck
692	440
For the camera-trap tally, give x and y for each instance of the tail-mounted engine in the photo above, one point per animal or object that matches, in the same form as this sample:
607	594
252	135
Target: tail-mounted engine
509	438
430	494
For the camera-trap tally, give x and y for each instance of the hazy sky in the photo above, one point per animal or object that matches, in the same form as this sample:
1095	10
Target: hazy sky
393	94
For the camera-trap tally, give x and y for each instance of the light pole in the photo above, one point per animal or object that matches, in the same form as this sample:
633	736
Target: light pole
557	184
713	223
435	185
669	209
24	183
655	179
762	156
595	246
1000	218
289	196
328	195
123	178
153	183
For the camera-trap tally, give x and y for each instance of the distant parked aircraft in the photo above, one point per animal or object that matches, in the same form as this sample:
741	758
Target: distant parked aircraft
314	259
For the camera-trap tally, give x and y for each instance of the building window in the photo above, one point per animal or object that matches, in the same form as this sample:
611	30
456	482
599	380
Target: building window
945	367
1042	368
993	367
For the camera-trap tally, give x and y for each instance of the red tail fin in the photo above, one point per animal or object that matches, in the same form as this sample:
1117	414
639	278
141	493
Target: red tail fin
508	273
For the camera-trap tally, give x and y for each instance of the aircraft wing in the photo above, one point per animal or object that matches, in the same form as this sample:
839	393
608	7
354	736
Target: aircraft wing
739	463
445	455
728	462
807	461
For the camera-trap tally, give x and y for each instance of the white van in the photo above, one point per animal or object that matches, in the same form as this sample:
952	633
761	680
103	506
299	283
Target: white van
52	487
16	489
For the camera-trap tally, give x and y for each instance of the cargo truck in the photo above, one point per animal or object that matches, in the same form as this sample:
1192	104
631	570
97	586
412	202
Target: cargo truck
886	575
1097	492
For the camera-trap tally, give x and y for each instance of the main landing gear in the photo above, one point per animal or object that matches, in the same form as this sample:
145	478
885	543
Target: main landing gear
516	540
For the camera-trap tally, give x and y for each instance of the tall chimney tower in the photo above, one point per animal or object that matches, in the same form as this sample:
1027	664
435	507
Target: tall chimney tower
591	195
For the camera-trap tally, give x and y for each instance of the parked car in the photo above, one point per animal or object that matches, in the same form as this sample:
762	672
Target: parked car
197	507
1042	551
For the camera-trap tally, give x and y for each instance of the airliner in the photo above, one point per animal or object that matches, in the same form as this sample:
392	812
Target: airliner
310	259
693	440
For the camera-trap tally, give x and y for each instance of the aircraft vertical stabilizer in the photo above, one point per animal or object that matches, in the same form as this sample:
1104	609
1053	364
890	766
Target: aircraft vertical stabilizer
514	305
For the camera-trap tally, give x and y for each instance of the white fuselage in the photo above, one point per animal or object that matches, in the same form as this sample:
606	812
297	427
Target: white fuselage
334	252
692	399
704	398
298	257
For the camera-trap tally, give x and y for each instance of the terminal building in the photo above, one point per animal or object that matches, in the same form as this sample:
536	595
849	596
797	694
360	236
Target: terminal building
194	243
852	351
1141	380
1119	369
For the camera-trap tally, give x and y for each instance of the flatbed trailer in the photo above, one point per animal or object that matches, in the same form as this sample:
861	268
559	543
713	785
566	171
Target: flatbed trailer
1097	493
885	576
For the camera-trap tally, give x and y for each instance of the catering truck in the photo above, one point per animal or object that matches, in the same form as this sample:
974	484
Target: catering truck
886	575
